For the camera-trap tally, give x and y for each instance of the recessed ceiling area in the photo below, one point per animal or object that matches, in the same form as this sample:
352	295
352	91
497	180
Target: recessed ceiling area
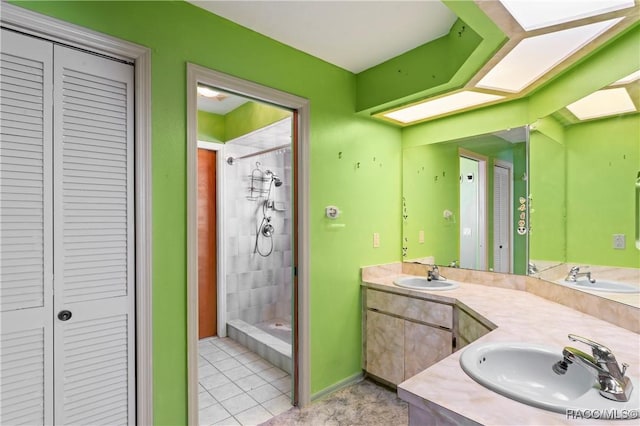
535	56
393	46
354	35
532	15
443	105
603	103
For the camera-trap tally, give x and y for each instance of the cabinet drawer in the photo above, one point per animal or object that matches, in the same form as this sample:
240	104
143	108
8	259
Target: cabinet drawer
410	308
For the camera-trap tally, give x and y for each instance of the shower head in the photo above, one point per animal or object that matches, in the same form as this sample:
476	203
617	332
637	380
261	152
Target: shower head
274	178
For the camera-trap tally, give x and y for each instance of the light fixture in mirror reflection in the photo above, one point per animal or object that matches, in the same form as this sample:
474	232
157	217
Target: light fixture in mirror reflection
583	200
461	202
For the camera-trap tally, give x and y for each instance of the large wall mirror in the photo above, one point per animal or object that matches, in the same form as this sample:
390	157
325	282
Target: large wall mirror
463	198
585	194
461	202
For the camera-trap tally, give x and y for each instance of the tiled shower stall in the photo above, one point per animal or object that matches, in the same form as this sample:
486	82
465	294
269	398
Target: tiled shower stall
259	287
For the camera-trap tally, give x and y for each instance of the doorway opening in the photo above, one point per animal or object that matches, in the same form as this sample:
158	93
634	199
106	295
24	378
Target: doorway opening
248	345
473	210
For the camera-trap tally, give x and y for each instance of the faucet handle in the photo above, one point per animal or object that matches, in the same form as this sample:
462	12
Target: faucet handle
624	368
599	350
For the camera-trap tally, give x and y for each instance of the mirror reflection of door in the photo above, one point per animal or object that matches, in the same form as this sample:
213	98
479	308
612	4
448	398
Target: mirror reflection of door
502	217
207	271
473	230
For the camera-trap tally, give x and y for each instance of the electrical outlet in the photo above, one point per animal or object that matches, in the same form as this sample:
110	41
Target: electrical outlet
421	237
619	241
376	240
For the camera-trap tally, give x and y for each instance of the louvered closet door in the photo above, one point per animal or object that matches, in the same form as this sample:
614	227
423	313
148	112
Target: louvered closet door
93	247
25	231
501	222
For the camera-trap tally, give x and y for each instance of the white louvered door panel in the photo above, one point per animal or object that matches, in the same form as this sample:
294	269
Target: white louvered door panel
26	303
501	222
94	246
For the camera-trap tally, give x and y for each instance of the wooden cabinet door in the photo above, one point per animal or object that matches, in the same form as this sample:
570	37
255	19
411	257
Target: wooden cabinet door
424	346
468	329
385	347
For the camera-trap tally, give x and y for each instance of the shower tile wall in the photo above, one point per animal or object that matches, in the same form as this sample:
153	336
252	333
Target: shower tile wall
258	288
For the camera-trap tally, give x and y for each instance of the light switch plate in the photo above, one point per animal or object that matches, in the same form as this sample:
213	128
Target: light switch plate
421	237
376	240
619	241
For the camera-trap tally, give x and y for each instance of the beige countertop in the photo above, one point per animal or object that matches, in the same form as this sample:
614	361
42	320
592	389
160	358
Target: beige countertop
520	317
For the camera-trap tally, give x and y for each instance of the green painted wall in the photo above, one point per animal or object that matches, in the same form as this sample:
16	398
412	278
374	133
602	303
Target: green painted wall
431	185
245	119
251	116
603	160
547	180
210	127
369	196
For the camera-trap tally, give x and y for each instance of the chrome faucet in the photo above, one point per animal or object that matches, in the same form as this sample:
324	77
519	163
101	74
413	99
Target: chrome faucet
602	364
574	274
434	274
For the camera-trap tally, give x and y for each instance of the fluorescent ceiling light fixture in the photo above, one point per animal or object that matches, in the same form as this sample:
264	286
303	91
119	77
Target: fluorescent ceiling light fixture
628	79
533	57
602	104
443	105
207	93
532	14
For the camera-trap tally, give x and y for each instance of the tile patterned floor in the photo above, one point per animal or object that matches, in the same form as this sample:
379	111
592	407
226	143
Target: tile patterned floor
364	403
237	387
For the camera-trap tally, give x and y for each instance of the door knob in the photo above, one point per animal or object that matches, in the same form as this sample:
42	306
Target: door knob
64	315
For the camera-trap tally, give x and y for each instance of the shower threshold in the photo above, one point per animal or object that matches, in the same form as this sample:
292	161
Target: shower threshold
261	339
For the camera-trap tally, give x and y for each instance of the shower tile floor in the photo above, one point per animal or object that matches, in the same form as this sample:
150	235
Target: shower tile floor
237	387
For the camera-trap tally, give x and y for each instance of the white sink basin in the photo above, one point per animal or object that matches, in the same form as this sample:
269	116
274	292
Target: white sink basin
421	283
523	372
601	285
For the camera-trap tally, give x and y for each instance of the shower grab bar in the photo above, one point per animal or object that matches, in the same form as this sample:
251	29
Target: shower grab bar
231	160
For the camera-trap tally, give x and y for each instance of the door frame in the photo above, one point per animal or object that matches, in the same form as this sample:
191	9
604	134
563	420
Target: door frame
483	205
509	166
198	74
221	287
52	29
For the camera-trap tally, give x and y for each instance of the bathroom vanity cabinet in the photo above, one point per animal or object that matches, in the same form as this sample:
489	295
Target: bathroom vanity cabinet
469	327
404	335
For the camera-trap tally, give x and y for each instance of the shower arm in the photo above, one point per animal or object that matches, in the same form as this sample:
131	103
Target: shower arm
231	160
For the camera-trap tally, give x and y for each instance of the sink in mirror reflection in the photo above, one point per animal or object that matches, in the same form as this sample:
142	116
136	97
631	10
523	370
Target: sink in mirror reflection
525	372
422	283
601	286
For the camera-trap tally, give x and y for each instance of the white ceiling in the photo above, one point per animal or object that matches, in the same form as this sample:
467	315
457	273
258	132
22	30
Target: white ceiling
276	134
220	106
354	35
